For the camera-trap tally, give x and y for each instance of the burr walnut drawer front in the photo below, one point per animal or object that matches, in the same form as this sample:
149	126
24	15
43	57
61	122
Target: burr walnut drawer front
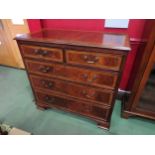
91	59
74	74
48	100
45	53
100	96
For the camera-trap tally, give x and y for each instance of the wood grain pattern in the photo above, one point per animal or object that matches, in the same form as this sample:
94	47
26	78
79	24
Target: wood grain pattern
80	38
86	76
105	61
75	106
132	106
11	56
65	81
44	53
101	96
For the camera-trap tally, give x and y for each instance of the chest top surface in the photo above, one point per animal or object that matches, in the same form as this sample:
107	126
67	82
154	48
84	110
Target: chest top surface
80	38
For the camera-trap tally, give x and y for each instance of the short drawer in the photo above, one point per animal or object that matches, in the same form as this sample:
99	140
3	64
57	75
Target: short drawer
101	79
45	53
91	59
49	100
86	93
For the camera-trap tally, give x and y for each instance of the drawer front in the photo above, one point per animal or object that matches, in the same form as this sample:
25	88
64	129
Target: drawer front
45	53
86	93
75	74
71	105
99	60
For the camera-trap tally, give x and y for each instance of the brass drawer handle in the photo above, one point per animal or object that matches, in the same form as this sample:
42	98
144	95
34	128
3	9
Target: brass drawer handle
44	53
49	99
36	51
84	92
41	52
86	77
90	59
47	84
92	79
45	69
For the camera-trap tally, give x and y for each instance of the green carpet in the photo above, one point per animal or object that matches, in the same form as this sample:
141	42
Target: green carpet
18	109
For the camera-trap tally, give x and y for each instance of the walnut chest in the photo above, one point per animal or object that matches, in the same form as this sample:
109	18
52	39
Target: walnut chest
76	71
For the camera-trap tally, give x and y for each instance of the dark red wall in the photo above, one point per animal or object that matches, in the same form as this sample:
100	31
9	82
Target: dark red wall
34	25
135	31
74	24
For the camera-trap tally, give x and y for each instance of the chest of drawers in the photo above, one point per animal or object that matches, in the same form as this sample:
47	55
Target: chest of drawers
75	71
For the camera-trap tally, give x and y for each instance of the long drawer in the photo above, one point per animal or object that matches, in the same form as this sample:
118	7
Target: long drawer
48	100
99	60
101	96
44	53
74	74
